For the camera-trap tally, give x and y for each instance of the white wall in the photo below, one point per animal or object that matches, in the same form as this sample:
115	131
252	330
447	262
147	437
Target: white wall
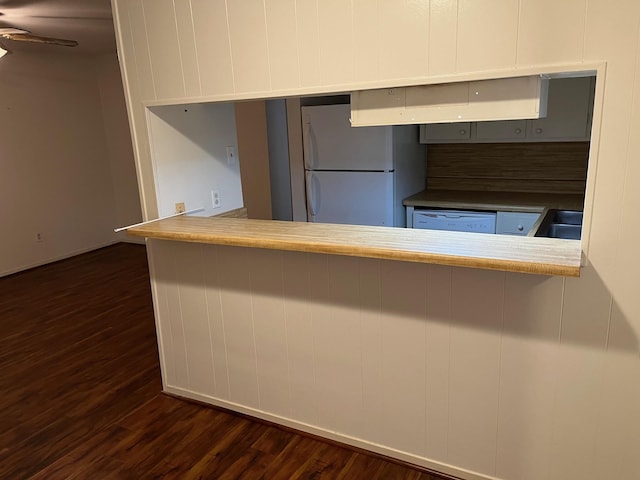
188	144
483	374
253	150
118	141
279	171
56	159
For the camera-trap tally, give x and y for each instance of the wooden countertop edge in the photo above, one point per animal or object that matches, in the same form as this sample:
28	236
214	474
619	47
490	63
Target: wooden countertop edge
490	206
498	201
495	258
235	213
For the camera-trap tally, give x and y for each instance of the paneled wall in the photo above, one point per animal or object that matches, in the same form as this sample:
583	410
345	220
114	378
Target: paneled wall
478	373
215	48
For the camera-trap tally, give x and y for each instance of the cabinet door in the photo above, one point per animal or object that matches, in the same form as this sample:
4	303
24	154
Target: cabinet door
501	130
445	132
515	223
569	104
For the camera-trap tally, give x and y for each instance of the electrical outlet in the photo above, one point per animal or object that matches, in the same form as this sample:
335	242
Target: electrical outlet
180	207
231	155
216	200
39	237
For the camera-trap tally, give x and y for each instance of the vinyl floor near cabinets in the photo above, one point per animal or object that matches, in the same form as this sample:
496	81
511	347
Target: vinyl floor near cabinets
80	392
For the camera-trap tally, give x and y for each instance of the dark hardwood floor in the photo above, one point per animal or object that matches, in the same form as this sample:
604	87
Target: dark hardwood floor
81	393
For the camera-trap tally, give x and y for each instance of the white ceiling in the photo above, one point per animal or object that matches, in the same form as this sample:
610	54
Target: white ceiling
89	22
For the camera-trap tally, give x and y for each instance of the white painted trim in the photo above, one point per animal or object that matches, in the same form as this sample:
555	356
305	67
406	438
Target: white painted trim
594	154
140	156
57	258
296	160
130	239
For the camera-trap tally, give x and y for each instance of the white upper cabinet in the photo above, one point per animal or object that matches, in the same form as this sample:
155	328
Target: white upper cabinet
568	119
495	99
445	132
507	129
568	113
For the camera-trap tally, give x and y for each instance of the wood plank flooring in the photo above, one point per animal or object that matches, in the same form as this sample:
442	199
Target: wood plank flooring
80	391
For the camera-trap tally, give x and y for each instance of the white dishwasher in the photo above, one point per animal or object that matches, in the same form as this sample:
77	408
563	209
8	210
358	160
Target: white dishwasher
455	220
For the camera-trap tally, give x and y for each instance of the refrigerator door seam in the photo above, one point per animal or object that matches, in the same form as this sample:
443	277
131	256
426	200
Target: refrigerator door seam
354	171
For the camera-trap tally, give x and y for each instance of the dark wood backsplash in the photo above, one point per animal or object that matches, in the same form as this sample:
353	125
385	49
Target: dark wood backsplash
559	167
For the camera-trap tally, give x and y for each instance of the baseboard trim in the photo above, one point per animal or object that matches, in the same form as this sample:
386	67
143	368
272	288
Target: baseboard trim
445	471
137	240
57	258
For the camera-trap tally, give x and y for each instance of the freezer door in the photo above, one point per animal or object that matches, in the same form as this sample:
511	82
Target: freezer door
358	198
331	143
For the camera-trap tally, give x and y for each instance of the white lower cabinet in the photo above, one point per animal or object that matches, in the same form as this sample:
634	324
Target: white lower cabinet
515	223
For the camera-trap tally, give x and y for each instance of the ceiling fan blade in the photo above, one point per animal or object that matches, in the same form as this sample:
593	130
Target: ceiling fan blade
27	37
18	3
5	30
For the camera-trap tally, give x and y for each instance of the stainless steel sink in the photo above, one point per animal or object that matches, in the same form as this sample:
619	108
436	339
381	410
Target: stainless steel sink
562	224
567	217
563	230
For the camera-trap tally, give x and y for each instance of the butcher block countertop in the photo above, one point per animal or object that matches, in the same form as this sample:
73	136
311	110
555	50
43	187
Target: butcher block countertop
497	201
535	255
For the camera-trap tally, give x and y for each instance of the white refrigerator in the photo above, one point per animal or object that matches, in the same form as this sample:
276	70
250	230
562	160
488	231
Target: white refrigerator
359	175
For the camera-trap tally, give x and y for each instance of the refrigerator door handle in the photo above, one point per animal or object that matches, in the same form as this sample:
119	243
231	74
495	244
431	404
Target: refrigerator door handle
309	146
313	185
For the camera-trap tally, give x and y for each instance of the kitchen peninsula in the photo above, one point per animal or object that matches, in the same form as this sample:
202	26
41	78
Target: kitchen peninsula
542	256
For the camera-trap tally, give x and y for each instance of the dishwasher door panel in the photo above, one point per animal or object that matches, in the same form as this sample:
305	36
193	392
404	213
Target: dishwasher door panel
455	220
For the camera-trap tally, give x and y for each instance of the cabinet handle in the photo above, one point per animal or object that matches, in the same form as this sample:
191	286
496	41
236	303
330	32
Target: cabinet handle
520	228
538	130
462	131
518	131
